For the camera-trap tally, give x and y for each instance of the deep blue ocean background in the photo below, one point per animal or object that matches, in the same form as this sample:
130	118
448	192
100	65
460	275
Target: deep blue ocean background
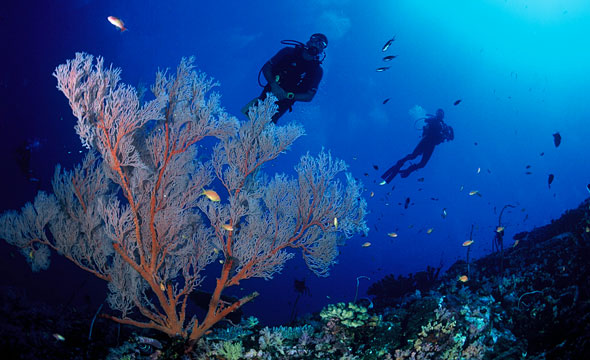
520	69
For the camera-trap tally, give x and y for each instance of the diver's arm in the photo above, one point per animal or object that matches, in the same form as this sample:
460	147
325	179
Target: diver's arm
276	89
306	96
313	84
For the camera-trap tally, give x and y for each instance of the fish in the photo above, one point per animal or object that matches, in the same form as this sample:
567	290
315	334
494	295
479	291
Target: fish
376	167
461	188
588	187
478	170
444	213
162	287
336	223
407	202
59	337
372	194
463	278
383	68
457	102
467	243
528	167
388	44
211	195
556	139
386	101
515	243
528	172
541	154
227	227
420	179
367	244
475	143
392	234
550	180
117	22
429	231
474	192
382	183
499	229
389	58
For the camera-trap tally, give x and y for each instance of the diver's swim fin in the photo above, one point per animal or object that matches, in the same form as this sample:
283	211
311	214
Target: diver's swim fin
390	173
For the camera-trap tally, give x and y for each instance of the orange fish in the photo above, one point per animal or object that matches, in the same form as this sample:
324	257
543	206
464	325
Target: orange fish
367	244
429	231
468	242
463	278
227	227
500	229
117	22
211	195
392	234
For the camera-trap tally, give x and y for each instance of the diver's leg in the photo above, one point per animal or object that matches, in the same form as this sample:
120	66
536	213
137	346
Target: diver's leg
283	107
425	157
247	107
390	173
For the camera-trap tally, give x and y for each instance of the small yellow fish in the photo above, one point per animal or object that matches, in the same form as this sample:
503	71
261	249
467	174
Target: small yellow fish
467	243
478	170
336	223
463	278
383	183
59	337
473	192
221	261
587	229
227	227
367	244
500	229
392	234
117	22
429	231
162	287
515	243
211	195
31	254
372	194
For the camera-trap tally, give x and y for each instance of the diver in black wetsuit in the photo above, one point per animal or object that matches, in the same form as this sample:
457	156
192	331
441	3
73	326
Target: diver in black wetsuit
433	133
293	74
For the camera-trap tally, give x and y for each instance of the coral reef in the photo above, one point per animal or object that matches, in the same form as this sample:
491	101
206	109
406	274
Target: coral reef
142	210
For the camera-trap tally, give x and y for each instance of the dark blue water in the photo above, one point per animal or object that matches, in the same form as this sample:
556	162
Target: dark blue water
518	67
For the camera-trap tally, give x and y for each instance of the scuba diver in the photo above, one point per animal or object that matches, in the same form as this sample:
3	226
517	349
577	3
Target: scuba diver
293	74
434	132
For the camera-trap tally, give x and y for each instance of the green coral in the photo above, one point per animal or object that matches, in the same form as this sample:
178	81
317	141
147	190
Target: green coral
230	350
350	315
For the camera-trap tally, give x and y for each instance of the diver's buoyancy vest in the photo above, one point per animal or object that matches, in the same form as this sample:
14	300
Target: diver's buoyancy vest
295	73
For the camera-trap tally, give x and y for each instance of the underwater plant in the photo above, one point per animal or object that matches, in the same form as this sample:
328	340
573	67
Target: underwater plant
142	211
